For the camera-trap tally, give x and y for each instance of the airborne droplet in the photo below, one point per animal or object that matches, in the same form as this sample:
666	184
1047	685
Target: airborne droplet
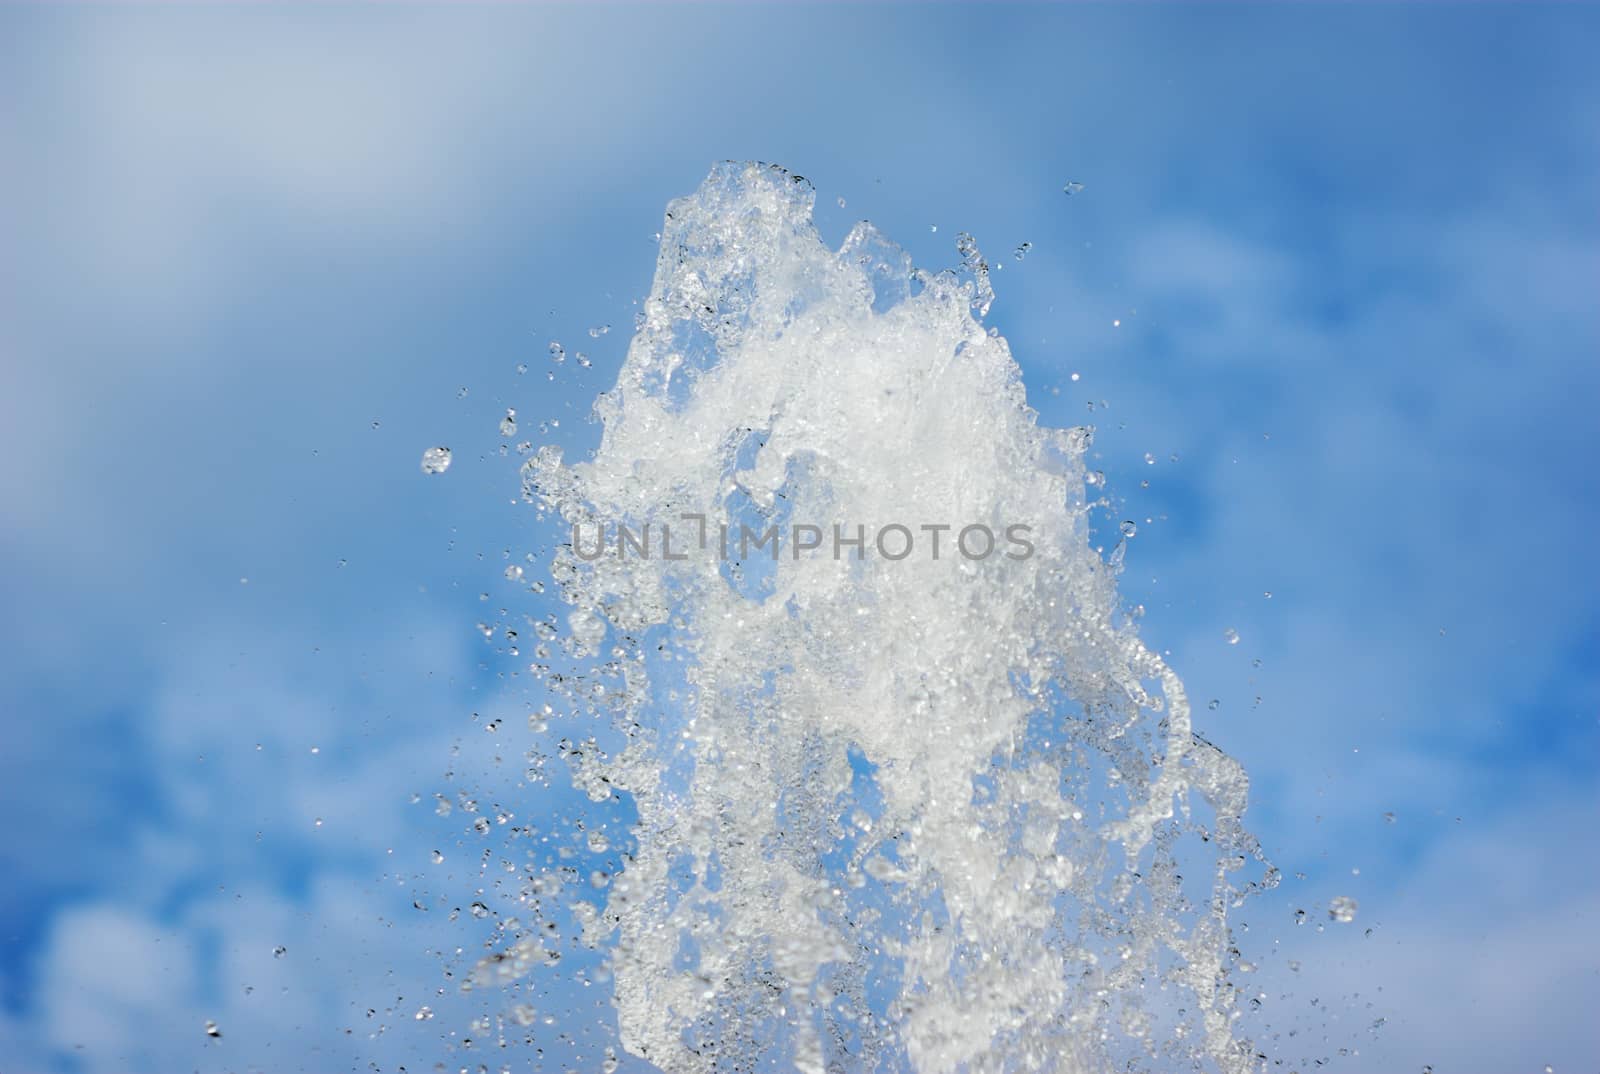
436	460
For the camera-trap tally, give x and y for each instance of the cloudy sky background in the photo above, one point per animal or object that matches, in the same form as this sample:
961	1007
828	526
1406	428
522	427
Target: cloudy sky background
249	258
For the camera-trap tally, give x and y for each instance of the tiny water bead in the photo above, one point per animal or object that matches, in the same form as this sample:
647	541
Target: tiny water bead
1342	909
436	460
508	424
1231	636
1072	188
1129	528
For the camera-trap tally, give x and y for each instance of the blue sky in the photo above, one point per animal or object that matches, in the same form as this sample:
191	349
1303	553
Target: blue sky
1333	269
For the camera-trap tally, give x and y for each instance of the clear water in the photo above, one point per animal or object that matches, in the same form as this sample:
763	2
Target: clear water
893	813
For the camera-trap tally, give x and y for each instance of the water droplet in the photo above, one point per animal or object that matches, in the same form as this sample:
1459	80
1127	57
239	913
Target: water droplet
1022	251
423	1014
599	330
522	367
1072	188
436	460
1388	818
438	857
279	951
1342	909
1129	528
508	424
1231	636
212	1030
558	353
1214	704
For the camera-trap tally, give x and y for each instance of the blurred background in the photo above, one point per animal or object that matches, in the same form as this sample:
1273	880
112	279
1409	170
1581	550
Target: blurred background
1327	292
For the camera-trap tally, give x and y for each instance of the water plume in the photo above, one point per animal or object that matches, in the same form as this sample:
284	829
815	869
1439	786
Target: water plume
938	811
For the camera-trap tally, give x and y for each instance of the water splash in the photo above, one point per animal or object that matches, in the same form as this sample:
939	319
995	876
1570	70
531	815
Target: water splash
934	813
